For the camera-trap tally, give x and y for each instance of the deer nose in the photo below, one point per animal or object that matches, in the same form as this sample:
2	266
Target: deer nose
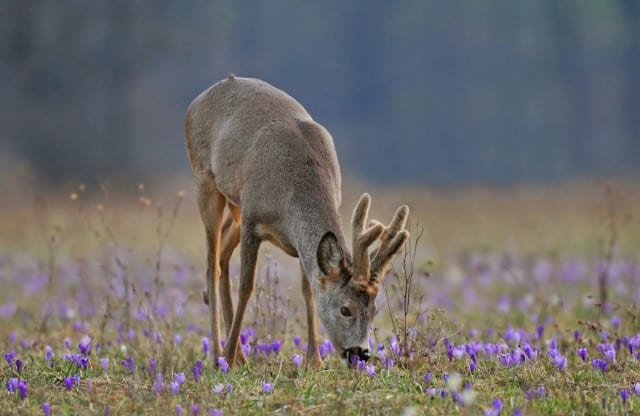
353	352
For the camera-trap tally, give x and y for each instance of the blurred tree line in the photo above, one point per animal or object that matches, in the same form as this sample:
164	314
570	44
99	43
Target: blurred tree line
436	92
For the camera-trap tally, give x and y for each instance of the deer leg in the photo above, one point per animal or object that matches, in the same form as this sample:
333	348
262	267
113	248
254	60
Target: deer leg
313	353
249	245
230	240
211	205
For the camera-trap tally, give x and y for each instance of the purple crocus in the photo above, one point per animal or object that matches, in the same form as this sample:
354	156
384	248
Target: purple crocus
46	408
48	353
178	410
158	384
153	364
297	360
371	370
19	365
104	362
12	385
432	391
22	389
128	364
195	409
582	353
297	341
174	387
223	365
599	364
427	378
624	395
636	389
267	387
9	357
197	370
615	321
560	362
180	378
205	345
215	412
68	383
472	367
85	345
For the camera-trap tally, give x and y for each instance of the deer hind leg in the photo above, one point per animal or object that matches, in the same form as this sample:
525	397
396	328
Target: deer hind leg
211	205
313	353
230	240
249	245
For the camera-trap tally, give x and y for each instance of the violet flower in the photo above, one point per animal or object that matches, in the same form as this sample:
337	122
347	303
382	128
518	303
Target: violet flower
195	409
197	370
22	389
85	345
104	362
267	387
158	384
215	412
297	360
174	387
624	395
582	353
46	409
223	365
68	383
128	364
180	378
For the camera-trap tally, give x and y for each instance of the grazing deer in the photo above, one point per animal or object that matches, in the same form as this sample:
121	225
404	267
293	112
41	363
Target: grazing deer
256	150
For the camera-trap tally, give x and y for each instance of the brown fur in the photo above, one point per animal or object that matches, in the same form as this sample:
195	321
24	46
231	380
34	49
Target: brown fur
257	151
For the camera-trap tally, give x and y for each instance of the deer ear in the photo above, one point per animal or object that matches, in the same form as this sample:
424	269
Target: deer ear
330	256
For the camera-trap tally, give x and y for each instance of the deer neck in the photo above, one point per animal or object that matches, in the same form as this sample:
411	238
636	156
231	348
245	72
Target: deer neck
310	227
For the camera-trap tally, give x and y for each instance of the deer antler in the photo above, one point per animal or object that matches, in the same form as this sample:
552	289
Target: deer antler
368	271
392	239
362	239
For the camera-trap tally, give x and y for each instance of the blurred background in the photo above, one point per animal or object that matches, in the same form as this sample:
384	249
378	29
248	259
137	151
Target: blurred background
437	93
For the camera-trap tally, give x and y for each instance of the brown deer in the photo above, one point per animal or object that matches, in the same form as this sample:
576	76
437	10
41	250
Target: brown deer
256	150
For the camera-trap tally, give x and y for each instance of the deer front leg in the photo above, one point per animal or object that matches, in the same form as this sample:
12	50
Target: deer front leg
313	353
211	205
249	245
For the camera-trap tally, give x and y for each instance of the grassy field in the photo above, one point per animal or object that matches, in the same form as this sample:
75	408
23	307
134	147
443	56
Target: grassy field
495	309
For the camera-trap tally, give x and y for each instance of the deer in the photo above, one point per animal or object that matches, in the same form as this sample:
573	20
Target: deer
257	152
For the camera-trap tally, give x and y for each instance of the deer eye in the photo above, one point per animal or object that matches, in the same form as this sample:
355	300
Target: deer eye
345	311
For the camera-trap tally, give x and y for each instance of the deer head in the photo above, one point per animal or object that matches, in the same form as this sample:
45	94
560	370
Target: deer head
349	286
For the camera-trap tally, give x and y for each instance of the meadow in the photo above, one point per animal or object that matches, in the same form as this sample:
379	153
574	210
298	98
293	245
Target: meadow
496	308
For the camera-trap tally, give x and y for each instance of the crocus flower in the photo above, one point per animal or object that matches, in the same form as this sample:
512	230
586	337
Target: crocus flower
153	363
128	364
158	384
178	410
197	370
636	389
85	345
180	378
67	343
195	409
46	408
615	321
22	389
599	364
104	362
223	365
12	384
19	365
174	387
297	360
582	353
205	345
267	387
68	383
9	357
246	349
371	370
560	362
215	412
472	367
218	388
624	395
432	391
48	353
427	378
297	341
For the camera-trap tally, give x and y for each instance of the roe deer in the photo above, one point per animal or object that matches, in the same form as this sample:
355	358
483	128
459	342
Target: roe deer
256	150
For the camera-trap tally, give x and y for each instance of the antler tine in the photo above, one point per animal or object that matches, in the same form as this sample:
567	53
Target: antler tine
392	240
362	239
